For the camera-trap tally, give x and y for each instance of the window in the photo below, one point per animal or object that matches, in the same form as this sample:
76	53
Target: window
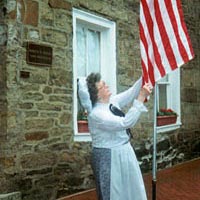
168	96
94	50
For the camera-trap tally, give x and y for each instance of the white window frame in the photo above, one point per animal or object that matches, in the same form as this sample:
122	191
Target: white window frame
173	99
108	57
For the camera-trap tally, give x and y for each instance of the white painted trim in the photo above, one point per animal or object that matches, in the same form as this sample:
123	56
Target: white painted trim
91	18
82	137
173	99
170	127
108	57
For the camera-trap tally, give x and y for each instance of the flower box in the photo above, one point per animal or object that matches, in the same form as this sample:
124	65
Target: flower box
166	120
83	126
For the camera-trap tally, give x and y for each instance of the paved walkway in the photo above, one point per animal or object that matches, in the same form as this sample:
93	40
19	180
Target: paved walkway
181	182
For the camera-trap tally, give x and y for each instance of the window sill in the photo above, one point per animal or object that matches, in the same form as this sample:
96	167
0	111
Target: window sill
86	137
166	128
82	137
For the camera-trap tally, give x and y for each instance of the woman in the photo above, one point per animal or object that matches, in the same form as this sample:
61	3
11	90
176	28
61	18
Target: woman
115	166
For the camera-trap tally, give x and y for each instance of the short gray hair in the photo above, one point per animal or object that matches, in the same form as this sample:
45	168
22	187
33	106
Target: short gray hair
92	79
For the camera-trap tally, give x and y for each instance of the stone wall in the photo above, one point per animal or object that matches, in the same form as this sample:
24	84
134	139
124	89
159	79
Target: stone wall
3	102
38	155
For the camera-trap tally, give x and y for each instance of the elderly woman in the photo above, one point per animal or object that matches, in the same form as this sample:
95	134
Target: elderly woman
116	169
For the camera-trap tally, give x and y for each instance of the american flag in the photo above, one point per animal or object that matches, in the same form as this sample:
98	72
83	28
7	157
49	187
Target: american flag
164	40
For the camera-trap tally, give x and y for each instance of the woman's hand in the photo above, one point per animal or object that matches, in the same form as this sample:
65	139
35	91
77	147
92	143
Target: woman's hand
145	91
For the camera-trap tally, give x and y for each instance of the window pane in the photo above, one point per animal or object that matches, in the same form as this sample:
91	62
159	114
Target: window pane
93	42
162	96
81	51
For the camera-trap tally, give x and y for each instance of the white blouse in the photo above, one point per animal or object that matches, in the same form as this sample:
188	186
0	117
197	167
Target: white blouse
108	130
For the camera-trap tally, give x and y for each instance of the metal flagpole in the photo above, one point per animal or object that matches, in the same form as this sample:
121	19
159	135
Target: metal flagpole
154	168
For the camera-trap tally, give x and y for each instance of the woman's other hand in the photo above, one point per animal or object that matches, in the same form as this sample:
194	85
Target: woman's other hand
145	91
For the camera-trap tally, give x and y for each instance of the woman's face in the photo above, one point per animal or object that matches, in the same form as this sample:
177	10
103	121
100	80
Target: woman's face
103	91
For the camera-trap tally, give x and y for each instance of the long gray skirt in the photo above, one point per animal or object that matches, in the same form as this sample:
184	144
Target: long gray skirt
117	174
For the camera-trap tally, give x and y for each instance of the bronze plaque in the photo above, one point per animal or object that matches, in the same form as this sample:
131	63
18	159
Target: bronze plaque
41	55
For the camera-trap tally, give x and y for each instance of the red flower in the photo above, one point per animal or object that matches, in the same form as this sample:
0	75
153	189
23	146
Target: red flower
164	111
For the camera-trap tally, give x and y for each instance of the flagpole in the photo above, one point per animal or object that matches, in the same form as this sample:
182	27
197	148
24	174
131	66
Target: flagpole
154	168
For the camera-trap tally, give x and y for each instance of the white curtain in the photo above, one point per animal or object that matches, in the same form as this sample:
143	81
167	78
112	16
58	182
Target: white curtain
93	51
88	51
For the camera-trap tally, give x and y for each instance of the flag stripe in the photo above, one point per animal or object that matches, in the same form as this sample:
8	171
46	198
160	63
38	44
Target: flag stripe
144	62
159	44
164	41
149	23
149	64
145	73
149	52
170	32
161	49
164	36
175	26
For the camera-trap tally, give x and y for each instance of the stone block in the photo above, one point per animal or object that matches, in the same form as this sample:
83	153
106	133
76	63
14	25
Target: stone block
14	39
12	15
38	124
3	10
7	162
31	13
65	118
2	82
46	170
163	145
60	98
26	106
189	95
47	90
60	4
33	136
11	196
63	21
58	146
31	114
33	34
49	106
11	9
55	37
59	131
51	114
187	77
60	77
61	91
33	96
38	160
47	16
24	184
48	180
3	34
21	9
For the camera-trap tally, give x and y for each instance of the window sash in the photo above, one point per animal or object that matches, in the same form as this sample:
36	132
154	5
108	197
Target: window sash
107	57
163	93
172	84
